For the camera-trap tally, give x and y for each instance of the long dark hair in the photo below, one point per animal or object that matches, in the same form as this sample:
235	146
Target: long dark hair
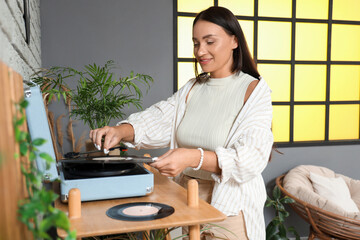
242	60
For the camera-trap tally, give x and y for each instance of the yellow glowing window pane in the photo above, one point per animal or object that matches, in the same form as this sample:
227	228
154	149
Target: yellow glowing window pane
316	9
193	6
309	123
248	29
310	83
185	43
275	8
281	123
239	7
274	40
344	122
346	10
311	41
278	78
345	43
345	83
185	73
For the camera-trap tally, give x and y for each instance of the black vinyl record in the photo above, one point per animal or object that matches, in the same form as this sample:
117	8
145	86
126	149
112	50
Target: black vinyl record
140	211
98	169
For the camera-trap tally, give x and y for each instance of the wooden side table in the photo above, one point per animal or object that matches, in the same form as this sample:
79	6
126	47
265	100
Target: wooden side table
95	222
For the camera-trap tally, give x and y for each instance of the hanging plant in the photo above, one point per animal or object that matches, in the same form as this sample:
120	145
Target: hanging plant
37	211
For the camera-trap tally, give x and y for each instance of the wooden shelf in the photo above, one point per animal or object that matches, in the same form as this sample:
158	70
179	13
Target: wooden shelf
95	222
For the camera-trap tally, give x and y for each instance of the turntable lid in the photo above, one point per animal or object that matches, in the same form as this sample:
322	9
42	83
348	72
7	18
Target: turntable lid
39	128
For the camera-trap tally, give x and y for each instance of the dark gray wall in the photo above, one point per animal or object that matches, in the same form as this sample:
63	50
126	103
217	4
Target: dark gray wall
138	35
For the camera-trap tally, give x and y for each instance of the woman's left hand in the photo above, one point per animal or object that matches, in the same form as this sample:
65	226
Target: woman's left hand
173	162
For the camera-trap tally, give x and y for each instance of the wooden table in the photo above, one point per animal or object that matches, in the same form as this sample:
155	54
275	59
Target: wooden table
95	222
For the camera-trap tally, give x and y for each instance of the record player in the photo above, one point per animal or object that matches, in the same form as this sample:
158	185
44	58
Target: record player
97	178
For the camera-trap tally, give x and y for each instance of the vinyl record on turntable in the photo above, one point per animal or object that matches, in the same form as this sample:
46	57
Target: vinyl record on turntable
140	211
98	169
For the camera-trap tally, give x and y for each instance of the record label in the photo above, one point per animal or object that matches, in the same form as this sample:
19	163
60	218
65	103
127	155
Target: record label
140	211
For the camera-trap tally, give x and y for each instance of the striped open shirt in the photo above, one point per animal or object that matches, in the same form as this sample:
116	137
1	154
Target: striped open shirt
244	156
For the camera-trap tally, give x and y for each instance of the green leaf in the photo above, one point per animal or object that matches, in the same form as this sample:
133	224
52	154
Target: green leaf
20	135
48	159
283	215
71	235
280	207
269	202
270	230
287	200
23	104
46	156
293	231
23	148
62	220
51	96
278	237
20	121
32	156
17	134
276	193
39	141
282	230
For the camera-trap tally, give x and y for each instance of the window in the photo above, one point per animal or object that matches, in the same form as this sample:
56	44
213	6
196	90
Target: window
309	54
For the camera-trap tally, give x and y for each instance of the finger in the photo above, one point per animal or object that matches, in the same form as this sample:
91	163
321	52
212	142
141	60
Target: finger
99	134
154	165
160	164
93	136
110	141
107	139
166	174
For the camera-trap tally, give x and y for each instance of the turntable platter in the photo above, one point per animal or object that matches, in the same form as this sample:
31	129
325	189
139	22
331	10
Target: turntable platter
98	169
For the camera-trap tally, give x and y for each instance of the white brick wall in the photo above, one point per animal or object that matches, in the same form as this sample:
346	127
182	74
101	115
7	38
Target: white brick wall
14	51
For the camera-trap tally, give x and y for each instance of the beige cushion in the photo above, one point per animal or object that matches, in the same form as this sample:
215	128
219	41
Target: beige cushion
334	189
297	182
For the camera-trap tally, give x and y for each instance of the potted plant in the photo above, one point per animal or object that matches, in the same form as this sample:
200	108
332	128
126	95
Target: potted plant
98	97
276	229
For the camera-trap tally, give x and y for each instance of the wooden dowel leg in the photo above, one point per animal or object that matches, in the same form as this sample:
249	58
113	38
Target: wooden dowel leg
168	236
146	235
194	232
193	201
193	194
74	203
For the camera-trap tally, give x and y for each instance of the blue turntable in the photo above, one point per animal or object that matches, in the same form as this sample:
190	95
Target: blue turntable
96	178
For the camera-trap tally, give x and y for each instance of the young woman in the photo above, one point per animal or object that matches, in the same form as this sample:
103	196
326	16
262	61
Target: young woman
218	127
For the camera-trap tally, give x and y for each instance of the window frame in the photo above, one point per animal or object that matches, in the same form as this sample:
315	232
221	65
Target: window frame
292	62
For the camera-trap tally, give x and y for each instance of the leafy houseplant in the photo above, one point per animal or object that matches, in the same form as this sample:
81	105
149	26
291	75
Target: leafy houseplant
98	97
276	229
37	211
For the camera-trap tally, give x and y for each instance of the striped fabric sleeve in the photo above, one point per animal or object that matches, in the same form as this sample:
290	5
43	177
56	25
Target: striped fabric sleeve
247	157
153	125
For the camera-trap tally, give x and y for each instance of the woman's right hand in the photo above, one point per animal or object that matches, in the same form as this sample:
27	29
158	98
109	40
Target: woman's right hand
112	136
